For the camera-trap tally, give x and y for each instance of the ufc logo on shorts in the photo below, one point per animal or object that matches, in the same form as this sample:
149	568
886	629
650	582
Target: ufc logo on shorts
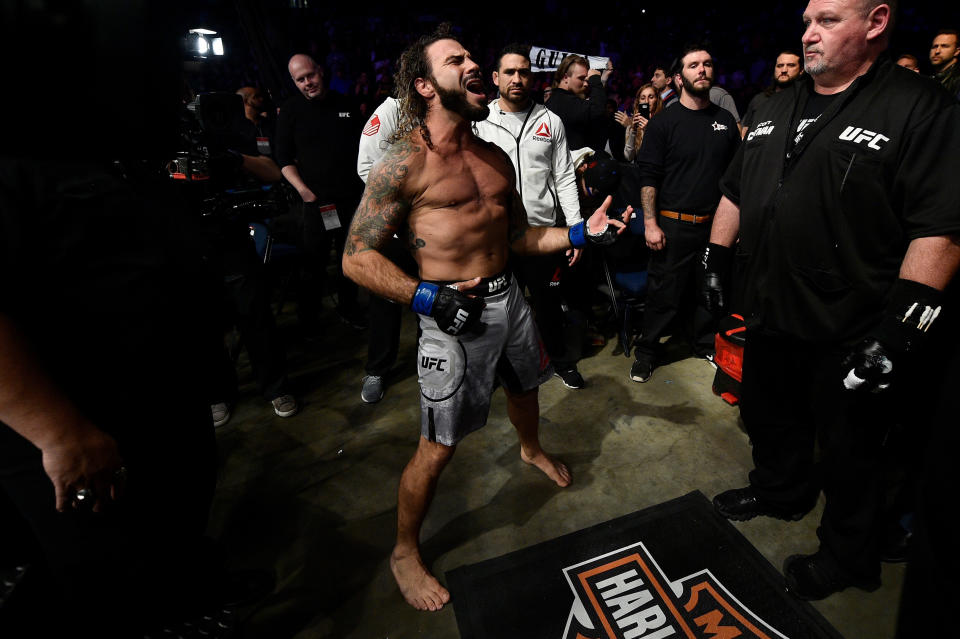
461	317
433	362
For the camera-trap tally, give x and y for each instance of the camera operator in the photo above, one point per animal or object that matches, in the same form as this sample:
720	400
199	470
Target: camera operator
106	449
237	171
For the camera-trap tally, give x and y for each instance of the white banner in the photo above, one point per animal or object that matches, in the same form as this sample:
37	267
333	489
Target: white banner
542	59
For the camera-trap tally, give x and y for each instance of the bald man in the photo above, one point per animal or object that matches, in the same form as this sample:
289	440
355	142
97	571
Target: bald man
316	148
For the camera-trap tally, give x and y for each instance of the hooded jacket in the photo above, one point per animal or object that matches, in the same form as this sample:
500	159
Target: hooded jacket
541	161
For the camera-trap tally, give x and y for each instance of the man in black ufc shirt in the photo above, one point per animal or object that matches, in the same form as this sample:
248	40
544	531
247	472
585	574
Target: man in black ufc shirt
845	202
685	151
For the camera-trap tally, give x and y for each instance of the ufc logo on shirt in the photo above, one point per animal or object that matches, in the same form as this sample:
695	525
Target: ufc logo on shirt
858	136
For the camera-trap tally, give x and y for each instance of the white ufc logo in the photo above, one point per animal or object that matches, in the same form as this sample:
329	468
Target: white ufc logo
858	136
461	317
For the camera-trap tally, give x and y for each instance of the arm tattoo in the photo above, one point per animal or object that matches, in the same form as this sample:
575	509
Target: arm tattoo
383	207
518	219
648	200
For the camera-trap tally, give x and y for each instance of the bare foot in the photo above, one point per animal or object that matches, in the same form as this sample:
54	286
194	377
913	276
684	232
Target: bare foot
417	585
553	468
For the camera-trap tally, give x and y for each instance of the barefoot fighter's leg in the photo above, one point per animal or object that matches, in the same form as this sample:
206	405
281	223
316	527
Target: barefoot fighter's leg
524	412
417	484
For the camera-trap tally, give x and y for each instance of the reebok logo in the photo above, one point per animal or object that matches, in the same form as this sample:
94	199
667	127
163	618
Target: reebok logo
624	595
718	127
761	130
372	126
543	132
858	136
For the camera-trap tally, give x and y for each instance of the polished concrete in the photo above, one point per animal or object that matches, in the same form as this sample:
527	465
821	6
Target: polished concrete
313	496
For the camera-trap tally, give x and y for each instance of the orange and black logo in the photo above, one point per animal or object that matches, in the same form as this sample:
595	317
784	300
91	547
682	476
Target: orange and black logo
624	595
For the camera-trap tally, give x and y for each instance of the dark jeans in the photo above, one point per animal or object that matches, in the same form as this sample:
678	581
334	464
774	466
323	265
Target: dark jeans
551	282
673	279
792	397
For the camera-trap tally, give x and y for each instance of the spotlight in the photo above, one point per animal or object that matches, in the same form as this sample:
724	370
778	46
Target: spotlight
203	43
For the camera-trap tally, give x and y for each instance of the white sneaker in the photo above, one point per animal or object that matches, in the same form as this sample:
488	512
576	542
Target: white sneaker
220	413
285	406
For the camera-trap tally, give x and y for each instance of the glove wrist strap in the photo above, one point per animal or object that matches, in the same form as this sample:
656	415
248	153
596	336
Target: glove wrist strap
577	234
424	297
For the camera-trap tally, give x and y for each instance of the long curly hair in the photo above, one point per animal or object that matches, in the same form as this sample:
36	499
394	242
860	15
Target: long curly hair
413	64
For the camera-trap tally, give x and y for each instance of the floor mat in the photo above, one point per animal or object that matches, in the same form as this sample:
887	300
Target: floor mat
673	570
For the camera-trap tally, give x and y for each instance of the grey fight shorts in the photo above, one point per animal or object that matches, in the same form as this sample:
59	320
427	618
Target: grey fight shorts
457	374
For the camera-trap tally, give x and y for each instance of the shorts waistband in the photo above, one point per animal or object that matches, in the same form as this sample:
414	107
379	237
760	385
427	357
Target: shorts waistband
488	286
687	217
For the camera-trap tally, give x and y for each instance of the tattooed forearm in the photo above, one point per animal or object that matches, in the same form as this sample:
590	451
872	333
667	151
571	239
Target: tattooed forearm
383	208
648	200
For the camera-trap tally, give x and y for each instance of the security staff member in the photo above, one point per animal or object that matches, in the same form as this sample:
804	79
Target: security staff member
685	150
535	139
845	199
316	133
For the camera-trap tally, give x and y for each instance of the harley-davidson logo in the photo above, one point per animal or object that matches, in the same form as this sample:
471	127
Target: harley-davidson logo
624	595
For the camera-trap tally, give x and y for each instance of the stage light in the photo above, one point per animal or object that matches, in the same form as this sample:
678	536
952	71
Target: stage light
202	43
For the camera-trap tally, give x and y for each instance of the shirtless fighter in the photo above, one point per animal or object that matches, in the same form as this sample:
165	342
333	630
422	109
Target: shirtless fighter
453	197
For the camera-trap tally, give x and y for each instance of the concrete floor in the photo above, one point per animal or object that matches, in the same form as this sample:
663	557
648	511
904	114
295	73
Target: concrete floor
314	495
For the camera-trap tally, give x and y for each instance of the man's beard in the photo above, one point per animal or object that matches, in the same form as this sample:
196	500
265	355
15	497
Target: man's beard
785	84
690	88
815	69
522	100
456	102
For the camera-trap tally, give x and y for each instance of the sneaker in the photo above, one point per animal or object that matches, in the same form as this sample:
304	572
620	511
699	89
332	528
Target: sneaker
372	390
220	413
285	406
571	377
641	371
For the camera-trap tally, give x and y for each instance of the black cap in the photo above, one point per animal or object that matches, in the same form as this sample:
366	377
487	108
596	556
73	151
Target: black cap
602	175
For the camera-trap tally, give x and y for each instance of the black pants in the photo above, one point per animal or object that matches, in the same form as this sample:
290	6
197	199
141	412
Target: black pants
673	278
246	304
303	227
793	396
383	337
554	287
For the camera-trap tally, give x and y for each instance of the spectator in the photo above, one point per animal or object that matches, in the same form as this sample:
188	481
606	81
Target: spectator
584	116
661	77
685	151
722	98
785	72
943	57
908	61
646	95
535	139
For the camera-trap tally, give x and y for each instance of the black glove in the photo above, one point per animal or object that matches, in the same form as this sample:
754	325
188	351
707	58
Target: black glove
871	365
455	312
580	234
716	262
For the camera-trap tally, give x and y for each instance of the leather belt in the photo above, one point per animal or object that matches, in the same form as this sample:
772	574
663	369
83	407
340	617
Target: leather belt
687	217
